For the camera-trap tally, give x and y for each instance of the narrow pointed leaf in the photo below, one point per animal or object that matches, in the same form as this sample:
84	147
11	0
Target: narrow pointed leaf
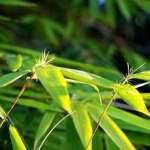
127	117
82	123
45	124
89	78
15	139
133	98
11	77
54	82
145	75
111	128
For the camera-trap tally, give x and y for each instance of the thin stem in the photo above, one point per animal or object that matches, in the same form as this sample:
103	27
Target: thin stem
17	98
103	113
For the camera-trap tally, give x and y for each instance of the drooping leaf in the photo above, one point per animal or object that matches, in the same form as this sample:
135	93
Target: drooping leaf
82	123
89	78
110	127
11	77
15	139
14	62
133	98
54	82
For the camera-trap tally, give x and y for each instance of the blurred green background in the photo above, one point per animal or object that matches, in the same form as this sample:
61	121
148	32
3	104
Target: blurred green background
98	36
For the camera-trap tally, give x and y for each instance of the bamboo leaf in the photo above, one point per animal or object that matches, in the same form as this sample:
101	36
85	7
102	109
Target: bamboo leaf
73	141
133	98
144	75
54	82
15	139
14	62
110	145
11	77
82	123
127	117
89	78
45	124
111	129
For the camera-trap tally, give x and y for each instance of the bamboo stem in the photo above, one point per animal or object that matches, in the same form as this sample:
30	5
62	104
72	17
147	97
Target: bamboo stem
17	98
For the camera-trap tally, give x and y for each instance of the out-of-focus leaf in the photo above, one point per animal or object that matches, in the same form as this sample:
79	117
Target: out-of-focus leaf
17	3
54	82
14	62
73	141
15	139
11	77
139	139
124	8
133	98
45	124
82	123
110	145
111	129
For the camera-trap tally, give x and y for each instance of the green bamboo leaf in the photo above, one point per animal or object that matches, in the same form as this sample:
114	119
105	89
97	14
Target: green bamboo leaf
133	98
14	62
73	141
54	82
11	77
2	113
144	75
82	123
110	127
127	117
17	3
124	8
15	139
89	78
110	145
45	124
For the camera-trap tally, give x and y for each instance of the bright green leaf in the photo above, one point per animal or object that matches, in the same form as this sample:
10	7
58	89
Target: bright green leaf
54	82
89	78
15	139
132	97
111	129
82	123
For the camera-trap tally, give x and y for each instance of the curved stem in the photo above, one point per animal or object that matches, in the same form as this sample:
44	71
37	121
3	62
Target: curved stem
17	98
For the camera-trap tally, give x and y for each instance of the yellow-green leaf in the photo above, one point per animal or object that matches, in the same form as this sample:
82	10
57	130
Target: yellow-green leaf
111	128
89	78
82	123
54	82
144	75
132	97
15	139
